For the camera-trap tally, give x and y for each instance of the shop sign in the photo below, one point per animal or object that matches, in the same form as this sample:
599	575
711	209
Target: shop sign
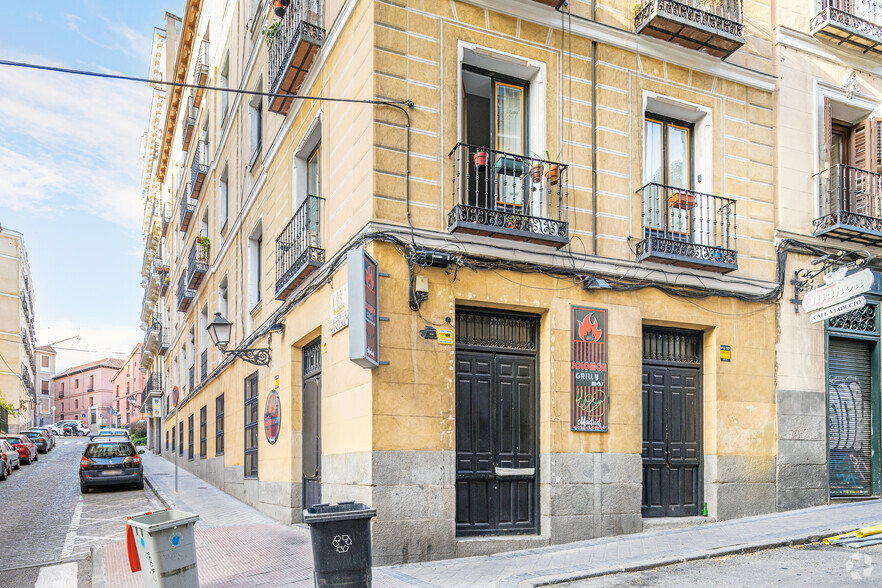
363	302
272	416
838	291
157	407
590	394
340	309
838	309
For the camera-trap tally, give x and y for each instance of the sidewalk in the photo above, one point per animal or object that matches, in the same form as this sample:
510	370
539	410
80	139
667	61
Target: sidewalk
238	546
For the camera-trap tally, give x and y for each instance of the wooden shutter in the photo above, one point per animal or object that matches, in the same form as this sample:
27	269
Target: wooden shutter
861	155
875	145
828	133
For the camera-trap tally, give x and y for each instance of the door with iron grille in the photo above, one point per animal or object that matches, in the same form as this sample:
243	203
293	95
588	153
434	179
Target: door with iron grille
312	419
672	483
496	423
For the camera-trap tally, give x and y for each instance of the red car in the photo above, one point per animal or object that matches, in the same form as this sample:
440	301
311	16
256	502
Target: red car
27	451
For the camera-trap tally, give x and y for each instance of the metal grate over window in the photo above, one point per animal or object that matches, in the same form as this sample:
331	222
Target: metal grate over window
312	359
671	345
491	329
862	320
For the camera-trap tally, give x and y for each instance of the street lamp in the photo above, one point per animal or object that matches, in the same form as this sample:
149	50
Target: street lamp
220	329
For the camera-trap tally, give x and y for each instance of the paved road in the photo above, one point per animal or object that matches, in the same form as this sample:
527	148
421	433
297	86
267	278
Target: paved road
53	522
805	565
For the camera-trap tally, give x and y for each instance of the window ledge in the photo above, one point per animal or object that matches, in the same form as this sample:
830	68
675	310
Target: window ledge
255	155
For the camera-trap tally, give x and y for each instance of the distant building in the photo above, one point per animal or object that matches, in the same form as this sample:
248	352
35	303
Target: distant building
45	358
84	393
17	366
128	386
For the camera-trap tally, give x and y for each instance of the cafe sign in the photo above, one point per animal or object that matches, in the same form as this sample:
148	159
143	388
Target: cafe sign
589	370
839	291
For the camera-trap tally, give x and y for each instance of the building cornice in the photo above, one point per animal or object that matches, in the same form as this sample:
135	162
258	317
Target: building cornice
808	44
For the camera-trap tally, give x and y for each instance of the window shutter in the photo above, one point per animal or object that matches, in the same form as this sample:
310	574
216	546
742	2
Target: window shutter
875	145
828	133
861	155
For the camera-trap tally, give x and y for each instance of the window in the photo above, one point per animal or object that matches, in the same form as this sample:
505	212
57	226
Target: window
251	426
313	178
255	241
219	425
62	387
76	383
62	407
91	382
44	386
44	361
117	390
174	433
667	162
225	83
222	298
91	401
166	440
76	403
181	438
203	431
190	438
255	125
223	198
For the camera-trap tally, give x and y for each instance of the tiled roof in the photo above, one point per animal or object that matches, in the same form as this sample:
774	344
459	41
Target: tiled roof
107	362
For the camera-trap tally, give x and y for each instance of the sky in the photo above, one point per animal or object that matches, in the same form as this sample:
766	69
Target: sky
70	166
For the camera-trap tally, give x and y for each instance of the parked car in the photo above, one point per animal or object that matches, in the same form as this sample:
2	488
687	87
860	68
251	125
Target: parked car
57	430
11	455
110	460
40	439
72	428
27	451
49	435
5	468
112	433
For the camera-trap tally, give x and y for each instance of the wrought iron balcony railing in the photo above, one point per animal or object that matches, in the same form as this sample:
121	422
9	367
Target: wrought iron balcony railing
185	295
166	219
163	274
203	365
190	115
506	195
689	229
299	247
154	384
200	73
853	23
198	168
26	341
850	204
715	27
293	49
188	207
197	261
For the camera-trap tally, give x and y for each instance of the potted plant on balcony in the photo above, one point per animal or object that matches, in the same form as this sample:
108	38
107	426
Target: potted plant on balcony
683	200
271	31
553	171
204	248
481	158
536	172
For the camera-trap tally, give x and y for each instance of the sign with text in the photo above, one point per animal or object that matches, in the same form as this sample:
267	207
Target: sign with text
725	353
157	407
590	394
838	291
838	309
364	327
340	309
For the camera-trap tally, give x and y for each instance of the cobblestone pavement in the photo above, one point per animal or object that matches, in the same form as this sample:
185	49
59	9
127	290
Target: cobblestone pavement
58	523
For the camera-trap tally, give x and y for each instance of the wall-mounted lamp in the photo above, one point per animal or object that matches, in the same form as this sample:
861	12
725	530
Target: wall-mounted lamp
220	329
595	283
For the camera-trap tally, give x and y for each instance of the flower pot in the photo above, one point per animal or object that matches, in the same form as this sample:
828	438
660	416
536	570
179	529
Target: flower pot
681	200
279	8
536	173
509	166
552	174
481	159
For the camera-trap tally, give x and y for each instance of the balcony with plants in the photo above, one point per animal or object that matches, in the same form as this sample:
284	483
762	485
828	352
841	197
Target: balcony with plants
508	196
198	168
164	275
197	261
185	295
294	41
200	73
299	249
687	229
850	205
856	24
187	208
715	27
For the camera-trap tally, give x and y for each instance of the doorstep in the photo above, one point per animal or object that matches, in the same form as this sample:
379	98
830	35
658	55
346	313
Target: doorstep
666	523
471	546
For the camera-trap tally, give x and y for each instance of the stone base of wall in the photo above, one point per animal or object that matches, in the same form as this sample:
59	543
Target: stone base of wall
802	449
739	486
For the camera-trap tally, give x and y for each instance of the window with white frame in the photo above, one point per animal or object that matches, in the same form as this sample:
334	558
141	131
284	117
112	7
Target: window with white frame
255	242
225	83
255	125
223	199
223	298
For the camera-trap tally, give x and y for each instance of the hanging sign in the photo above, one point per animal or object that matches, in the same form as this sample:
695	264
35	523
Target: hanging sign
272	416
838	309
838	291
590	394
176	395
363	302
340	309
157	407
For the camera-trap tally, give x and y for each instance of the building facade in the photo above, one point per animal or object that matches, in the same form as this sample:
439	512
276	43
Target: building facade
18	370
128	387
829	124
567	218
84	393
45	359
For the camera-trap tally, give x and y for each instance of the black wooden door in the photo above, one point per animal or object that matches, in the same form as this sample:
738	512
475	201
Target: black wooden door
495	443
671	441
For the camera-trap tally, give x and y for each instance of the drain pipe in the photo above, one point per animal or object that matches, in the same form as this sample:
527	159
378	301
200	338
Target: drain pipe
593	138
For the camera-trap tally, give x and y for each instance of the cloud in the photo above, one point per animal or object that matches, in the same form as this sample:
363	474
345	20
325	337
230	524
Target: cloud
71	143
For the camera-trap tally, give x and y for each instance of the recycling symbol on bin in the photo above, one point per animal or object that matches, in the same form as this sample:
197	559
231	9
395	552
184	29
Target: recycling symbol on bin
342	543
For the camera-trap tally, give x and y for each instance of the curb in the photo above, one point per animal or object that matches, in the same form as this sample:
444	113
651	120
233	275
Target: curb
155	489
650	564
99	575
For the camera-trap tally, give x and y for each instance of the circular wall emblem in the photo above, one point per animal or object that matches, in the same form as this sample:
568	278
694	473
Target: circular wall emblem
272	416
176	395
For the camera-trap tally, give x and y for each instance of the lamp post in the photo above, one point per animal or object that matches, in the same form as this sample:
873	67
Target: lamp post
220	329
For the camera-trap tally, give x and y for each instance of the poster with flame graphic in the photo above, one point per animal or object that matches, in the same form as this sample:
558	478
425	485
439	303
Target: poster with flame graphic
590	393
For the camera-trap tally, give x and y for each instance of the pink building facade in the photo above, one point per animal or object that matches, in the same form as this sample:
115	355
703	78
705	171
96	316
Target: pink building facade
128	388
85	393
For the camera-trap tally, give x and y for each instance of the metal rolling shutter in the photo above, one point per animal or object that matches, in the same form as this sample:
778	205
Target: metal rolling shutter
849	418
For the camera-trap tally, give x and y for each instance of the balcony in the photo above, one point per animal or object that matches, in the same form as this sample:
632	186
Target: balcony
163	342
715	27
190	115
508	196
688	229
197	262
293	50
203	365
298	247
164	280
185	295
200	73
198	168
154	384
154	232
852	23
850	203
26	341
188	207
166	220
